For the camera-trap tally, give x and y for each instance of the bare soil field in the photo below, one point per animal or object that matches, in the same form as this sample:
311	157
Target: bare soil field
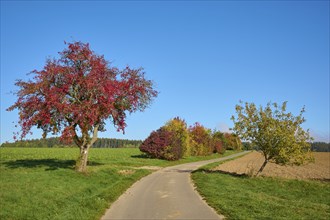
250	164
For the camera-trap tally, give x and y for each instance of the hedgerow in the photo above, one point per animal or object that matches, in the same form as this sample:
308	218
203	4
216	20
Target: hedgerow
175	140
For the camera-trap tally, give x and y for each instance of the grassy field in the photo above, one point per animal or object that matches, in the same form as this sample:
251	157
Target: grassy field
242	197
40	183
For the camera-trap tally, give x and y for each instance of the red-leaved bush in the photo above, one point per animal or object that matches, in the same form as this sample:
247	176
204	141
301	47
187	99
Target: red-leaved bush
162	144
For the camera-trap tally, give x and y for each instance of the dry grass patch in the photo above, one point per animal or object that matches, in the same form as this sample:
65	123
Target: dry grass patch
250	164
126	172
149	168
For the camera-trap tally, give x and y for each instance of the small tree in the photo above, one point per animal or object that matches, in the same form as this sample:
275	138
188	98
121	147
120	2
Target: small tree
77	94
275	132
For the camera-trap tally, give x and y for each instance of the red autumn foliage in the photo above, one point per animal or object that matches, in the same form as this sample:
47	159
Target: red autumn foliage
77	93
168	142
162	144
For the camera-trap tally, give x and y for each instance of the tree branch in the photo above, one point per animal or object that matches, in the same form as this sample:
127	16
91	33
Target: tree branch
95	131
76	139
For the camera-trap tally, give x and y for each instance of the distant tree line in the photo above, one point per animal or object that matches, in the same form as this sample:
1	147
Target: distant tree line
121	143
315	146
116	143
320	147
55	142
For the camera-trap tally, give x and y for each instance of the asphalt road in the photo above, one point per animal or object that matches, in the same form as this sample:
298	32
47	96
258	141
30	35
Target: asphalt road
165	194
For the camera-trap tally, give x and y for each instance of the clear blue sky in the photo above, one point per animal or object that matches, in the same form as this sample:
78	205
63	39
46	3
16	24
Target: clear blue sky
204	56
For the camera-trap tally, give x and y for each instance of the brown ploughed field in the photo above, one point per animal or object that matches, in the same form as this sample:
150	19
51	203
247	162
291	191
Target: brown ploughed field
250	164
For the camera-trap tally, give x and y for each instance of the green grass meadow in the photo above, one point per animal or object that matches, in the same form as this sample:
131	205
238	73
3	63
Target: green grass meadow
243	197
40	183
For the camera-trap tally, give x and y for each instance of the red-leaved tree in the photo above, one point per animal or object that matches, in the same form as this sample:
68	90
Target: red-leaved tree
75	95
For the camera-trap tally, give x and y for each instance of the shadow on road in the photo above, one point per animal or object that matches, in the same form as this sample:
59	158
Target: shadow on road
179	171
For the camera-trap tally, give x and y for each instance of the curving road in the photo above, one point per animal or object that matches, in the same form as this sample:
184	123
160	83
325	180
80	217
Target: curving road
165	194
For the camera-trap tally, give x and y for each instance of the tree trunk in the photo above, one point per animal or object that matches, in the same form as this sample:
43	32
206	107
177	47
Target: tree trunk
262	167
84	144
81	163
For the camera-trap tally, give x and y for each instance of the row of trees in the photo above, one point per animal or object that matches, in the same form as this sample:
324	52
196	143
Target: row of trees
54	142
320	147
175	140
116	143
315	146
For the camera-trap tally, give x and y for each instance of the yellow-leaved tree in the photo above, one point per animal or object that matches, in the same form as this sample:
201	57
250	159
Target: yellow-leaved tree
275	132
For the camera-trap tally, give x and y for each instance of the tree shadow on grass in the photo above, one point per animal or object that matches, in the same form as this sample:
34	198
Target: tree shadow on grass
49	164
221	172
142	156
243	176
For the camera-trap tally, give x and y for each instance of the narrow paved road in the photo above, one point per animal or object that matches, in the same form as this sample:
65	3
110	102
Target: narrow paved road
165	194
